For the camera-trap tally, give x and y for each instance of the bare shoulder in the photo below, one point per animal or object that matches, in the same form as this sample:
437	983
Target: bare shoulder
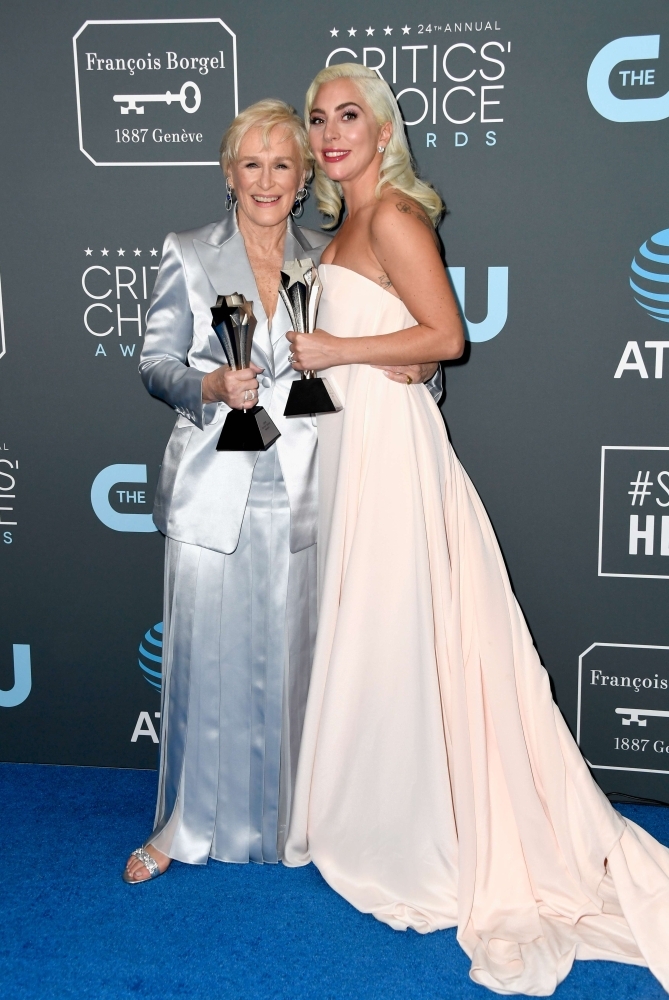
397	218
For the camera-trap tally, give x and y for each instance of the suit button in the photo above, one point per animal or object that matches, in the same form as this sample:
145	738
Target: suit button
266	382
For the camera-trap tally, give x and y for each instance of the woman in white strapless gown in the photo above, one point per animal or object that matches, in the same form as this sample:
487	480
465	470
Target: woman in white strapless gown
438	784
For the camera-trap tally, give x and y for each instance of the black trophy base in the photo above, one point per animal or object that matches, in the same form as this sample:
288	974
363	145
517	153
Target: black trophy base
311	395
248	430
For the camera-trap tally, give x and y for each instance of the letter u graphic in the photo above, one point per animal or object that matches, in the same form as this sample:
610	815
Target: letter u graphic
22	679
498	303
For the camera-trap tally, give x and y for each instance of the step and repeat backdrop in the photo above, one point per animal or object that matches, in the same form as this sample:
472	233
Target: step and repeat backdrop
546	129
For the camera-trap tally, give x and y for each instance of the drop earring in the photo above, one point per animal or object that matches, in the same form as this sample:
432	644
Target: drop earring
298	208
228	195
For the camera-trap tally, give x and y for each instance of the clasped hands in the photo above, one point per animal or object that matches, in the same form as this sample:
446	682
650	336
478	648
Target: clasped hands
320	350
315	351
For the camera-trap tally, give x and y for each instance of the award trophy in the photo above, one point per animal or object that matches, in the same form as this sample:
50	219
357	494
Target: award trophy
234	324
300	290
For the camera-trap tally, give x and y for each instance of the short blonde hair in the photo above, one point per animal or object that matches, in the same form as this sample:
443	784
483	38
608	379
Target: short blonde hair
397	167
266	115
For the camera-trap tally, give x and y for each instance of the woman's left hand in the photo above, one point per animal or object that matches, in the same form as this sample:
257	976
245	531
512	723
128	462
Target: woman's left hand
417	373
314	351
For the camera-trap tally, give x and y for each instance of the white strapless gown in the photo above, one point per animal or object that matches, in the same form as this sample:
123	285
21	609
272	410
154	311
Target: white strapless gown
438	784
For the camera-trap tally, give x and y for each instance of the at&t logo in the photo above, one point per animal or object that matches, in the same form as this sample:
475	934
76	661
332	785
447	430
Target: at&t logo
649	282
151	656
150	661
650	276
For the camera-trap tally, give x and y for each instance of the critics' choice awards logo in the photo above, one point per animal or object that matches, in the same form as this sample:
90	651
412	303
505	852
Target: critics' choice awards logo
116	498
649	281
446	74
153	93
117	283
8	492
623	87
623	707
634	512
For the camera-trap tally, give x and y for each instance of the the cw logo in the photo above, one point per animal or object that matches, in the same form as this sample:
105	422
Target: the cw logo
102	484
22	678
498	303
639	109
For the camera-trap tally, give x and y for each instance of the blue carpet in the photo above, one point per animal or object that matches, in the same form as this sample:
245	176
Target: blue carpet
72	929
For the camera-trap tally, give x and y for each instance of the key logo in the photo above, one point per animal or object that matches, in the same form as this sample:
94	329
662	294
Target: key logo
155	92
634	512
633	49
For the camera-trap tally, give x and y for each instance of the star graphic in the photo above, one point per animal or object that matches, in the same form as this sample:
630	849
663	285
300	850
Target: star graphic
296	269
387	31
121	253
88	251
334	32
406	30
370	31
137	253
352	31
104	252
154	252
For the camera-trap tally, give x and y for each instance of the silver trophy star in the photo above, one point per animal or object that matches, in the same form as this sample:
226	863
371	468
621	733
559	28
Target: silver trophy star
300	290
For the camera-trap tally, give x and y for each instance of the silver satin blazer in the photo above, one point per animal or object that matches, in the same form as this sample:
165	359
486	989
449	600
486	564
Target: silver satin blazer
202	493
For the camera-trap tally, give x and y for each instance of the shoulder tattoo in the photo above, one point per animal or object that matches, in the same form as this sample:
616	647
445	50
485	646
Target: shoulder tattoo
406	209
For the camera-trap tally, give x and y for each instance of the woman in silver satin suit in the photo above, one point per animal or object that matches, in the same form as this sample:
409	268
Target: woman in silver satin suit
240	527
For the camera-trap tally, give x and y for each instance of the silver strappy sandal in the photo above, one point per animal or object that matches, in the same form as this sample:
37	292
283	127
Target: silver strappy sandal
149	863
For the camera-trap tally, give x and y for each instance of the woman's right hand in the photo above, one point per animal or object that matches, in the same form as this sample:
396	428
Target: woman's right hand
227	386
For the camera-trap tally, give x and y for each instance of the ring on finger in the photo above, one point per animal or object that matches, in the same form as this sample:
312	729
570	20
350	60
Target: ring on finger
409	380
291	357
249	394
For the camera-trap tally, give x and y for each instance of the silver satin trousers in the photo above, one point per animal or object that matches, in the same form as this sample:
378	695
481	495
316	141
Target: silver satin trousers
239	631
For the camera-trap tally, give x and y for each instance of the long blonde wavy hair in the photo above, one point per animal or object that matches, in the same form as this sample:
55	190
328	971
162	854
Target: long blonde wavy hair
397	168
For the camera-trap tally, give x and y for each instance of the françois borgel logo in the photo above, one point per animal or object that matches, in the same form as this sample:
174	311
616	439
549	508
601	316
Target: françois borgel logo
152	93
623	707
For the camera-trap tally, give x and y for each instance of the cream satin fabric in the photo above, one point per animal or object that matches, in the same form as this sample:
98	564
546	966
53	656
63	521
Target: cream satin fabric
438	784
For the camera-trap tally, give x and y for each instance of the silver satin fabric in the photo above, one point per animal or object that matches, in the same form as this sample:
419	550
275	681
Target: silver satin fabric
238	643
201	495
